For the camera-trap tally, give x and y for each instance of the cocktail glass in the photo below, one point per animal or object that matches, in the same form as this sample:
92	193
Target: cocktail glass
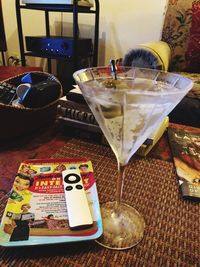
128	106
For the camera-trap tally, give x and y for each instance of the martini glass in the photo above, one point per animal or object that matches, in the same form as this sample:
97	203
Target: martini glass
128	105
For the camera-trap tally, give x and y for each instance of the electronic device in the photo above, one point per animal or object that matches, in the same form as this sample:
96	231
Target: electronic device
78	209
40	94
58	45
31	91
22	91
7	93
84	3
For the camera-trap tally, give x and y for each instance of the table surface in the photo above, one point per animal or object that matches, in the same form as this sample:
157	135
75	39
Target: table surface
10	71
172	233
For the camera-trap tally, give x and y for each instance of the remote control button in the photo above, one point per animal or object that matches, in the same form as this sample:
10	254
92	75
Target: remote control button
72	178
68	188
78	186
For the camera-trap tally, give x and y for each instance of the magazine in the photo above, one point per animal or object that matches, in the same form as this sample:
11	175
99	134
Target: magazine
185	147
36	210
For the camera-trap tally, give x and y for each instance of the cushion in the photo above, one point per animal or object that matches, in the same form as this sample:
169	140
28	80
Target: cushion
182	32
153	55
193	50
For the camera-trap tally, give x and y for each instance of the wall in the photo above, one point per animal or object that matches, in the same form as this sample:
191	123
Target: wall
123	24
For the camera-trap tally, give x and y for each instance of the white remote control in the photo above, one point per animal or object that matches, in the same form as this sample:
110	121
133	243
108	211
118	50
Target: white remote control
78	210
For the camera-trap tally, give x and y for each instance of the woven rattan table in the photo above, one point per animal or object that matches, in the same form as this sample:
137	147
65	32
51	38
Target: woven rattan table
172	233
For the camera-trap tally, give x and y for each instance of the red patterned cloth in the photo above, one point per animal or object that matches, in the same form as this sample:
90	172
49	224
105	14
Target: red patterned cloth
182	32
193	50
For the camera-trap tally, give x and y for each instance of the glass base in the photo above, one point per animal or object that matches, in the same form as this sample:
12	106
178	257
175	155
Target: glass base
123	227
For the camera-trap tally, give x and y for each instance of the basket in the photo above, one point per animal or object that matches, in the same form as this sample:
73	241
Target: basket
16	121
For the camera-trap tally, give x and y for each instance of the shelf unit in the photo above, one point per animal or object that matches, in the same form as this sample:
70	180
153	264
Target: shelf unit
75	10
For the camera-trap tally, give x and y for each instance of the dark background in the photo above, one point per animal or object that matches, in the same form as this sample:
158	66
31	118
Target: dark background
3	46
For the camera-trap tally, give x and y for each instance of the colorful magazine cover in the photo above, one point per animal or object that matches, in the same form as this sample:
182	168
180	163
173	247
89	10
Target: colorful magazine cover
185	147
36	210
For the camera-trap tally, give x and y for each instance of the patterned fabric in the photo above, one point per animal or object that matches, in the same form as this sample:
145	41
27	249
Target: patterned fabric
182	32
193	51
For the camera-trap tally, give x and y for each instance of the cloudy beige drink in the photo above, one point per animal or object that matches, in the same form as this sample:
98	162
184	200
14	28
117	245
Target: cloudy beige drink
125	116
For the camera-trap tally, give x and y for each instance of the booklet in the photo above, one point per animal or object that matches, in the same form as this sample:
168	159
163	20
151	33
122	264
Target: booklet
36	210
185	147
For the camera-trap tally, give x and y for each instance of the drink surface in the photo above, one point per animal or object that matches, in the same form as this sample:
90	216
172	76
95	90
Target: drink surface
128	110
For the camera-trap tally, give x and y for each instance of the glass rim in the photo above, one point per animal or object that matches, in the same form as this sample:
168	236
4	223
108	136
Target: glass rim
189	81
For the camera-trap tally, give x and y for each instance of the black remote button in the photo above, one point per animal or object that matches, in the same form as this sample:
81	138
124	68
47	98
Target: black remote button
79	187
68	188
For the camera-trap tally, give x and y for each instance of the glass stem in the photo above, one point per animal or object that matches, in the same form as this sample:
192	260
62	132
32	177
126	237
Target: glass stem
120	183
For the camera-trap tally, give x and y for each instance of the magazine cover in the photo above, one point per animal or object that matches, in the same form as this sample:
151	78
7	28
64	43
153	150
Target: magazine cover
185	147
36	210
